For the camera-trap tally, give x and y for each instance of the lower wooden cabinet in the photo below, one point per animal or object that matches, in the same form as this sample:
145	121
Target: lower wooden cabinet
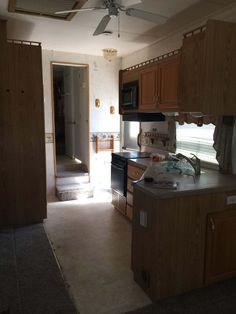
129	212
180	244
220	246
134	173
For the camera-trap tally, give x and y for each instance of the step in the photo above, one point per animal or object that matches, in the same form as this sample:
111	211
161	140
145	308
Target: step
71	167
74	191
72	177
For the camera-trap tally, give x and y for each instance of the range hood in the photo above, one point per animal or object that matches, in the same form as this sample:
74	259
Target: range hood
143	117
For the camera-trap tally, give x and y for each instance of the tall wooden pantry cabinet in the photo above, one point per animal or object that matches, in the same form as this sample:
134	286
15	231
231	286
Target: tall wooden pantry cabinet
22	144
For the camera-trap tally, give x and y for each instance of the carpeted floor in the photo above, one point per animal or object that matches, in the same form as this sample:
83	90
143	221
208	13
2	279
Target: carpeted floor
219	298
30	280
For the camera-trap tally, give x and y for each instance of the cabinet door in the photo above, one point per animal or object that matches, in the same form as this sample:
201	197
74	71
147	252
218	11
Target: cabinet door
220	246
168	72
129	76
148	89
192	73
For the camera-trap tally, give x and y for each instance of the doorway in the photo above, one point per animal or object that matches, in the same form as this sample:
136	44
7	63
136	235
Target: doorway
71	116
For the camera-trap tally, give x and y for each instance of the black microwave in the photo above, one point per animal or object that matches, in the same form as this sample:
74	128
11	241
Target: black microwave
129	95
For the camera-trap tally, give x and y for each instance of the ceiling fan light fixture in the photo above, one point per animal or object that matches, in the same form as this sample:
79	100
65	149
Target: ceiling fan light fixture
109	53
107	33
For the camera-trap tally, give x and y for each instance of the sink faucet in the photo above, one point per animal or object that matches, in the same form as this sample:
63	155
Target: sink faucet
193	161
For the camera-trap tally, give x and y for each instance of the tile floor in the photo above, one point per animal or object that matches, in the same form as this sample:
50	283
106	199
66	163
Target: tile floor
92	242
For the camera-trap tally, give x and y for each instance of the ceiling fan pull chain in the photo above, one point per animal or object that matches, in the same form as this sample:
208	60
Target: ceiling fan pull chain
119	25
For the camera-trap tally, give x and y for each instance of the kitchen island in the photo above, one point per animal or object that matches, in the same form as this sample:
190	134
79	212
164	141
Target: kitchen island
184	238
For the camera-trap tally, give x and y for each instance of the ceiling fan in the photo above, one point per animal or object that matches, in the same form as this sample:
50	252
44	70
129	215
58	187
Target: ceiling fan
114	8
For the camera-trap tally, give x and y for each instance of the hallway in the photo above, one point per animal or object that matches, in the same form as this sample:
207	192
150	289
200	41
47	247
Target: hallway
93	245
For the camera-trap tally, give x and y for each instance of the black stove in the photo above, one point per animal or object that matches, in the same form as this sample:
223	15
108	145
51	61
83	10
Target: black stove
131	155
119	165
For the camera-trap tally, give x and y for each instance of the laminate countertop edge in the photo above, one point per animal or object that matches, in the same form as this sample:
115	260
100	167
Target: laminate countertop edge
210	181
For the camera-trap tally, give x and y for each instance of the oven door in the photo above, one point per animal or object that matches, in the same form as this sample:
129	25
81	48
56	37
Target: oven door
118	179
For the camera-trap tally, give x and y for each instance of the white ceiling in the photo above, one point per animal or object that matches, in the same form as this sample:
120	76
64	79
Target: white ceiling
76	35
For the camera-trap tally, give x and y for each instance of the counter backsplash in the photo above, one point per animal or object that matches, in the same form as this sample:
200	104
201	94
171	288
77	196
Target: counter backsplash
158	135
93	135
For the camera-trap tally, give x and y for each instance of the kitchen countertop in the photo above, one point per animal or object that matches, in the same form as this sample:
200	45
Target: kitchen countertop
209	181
140	162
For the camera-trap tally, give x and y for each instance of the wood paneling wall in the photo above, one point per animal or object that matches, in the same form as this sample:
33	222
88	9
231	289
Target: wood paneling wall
3	31
22	145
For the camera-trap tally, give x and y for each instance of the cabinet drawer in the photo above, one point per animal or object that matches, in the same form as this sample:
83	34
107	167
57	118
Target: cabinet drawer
134	172
129	211
130	198
130	187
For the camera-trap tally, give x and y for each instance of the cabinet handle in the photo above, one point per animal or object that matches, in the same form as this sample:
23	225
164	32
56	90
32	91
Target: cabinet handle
212	224
158	99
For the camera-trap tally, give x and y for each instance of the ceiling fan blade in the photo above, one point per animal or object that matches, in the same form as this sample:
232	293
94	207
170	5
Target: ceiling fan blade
80	10
102	25
148	16
128	3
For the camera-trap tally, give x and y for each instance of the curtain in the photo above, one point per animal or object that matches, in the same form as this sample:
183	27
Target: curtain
223	141
186	117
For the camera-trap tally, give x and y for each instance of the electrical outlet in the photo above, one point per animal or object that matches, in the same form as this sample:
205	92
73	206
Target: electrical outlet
231	199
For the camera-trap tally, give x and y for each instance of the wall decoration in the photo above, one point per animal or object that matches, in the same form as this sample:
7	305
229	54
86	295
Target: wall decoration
97	103
112	109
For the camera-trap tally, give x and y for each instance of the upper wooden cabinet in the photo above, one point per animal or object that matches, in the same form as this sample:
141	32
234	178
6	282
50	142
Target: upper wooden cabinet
148	89
159	85
169	83
129	76
208	69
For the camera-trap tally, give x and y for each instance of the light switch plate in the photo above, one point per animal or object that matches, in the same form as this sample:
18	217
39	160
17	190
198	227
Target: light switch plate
231	199
143	218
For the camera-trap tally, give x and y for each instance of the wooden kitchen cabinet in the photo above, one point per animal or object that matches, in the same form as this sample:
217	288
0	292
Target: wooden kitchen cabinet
174	249
159	85
148	89
169	71
208	69
129	76
134	173
220	246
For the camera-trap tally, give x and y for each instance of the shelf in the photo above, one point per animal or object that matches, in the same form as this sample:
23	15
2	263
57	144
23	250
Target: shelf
104	144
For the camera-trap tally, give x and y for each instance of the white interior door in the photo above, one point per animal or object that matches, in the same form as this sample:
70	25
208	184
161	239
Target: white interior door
69	113
81	115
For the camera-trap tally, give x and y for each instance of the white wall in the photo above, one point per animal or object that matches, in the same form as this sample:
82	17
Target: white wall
103	84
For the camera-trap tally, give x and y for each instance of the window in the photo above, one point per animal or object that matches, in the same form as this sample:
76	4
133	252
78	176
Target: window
196	140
